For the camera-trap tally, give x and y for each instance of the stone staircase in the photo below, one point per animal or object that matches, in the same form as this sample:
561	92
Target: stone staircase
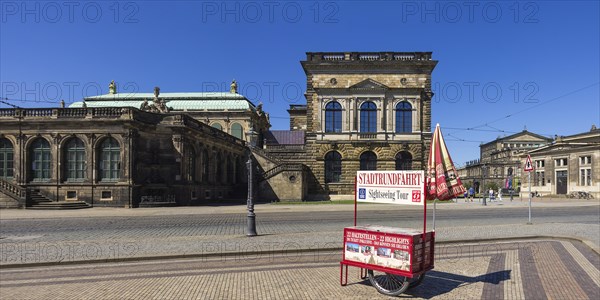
282	168
38	201
11	195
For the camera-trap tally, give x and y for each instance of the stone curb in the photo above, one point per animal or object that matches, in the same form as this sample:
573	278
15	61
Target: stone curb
588	243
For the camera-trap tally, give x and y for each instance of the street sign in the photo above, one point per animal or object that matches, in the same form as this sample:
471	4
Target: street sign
528	165
392	187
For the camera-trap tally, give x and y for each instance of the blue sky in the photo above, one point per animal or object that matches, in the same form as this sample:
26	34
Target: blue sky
503	66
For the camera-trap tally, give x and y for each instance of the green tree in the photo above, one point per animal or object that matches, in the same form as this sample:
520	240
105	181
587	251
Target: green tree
491	185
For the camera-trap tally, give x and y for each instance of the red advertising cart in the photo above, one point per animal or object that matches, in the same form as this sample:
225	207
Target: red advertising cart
394	259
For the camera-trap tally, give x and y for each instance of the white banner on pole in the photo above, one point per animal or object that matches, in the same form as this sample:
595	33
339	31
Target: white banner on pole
392	187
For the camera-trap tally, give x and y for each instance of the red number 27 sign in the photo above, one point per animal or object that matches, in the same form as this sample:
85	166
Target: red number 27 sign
416	196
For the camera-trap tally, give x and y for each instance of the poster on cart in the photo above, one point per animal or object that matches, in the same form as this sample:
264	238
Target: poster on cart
380	246
392	187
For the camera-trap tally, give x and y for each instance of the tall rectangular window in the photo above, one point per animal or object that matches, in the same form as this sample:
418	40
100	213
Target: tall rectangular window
540	178
6	159
75	160
333	117
40	160
585	170
110	161
403	117
368	117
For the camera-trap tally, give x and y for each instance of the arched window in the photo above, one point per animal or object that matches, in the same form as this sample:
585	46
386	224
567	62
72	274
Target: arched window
191	164
403	161
368	161
6	159
109	164
40	160
217	126
368	117
74	160
403	117
205	166
333	167
237	131
333	117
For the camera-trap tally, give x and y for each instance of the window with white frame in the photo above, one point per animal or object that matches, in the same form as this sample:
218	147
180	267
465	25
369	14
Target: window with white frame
560	162
585	170
539	164
585	160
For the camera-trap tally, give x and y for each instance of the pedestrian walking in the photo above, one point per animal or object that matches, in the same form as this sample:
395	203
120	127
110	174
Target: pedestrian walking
471	193
499	194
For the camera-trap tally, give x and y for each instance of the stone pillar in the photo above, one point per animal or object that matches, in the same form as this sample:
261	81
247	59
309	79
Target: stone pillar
56	157
383	115
19	160
90	157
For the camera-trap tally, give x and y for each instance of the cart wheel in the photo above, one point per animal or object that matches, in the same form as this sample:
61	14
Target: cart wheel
388	284
415	281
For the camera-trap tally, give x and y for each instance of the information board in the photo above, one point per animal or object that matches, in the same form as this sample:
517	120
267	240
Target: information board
392	187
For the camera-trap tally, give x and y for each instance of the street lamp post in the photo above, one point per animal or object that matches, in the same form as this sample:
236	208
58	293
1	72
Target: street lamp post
251	228
482	189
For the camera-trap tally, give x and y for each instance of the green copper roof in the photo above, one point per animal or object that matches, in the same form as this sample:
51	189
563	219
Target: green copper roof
168	96
177	101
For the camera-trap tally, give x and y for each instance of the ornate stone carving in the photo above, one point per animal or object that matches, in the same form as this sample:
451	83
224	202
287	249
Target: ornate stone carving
57	137
178	142
158	105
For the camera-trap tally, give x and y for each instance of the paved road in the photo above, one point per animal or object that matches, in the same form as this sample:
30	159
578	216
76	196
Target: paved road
274	222
543	269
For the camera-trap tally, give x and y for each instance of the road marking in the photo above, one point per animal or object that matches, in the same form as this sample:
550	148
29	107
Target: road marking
513	288
585	264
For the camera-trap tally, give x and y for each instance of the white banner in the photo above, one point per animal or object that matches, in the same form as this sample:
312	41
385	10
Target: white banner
393	187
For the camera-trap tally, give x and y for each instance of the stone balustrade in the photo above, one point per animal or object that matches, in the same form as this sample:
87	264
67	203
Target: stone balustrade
12	189
368	56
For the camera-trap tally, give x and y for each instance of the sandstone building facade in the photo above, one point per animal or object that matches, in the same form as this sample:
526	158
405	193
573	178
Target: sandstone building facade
568	164
364	111
115	156
499	160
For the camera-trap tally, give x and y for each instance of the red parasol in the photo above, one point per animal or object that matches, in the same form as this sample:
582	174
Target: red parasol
442	179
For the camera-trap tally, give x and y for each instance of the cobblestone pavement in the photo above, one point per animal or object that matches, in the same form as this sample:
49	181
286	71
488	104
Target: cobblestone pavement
523	269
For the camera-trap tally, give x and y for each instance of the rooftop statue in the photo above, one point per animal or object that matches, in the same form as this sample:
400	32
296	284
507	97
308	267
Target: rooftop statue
112	88
145	106
233	87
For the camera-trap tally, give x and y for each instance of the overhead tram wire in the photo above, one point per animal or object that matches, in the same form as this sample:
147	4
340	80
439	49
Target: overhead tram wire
9	104
35	101
476	128
538	105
